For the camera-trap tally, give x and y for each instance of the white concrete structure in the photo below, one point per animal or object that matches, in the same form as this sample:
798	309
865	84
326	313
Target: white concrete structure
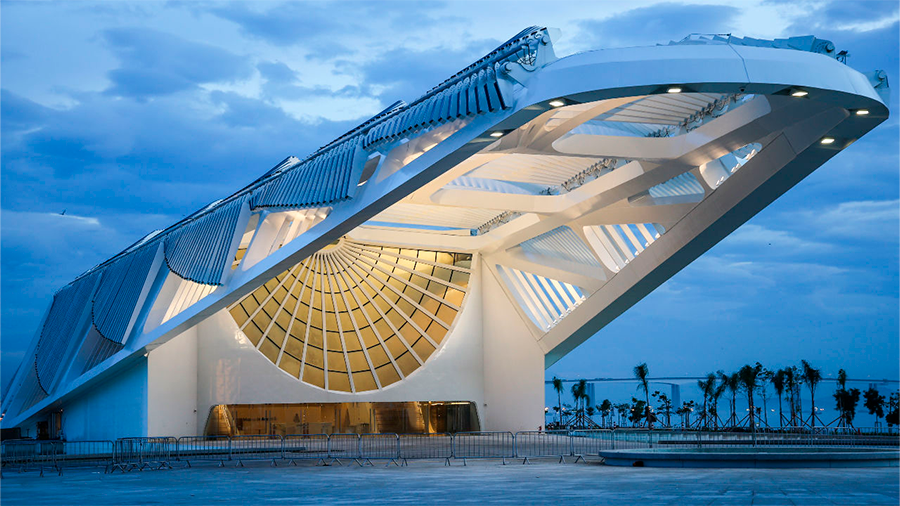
446	250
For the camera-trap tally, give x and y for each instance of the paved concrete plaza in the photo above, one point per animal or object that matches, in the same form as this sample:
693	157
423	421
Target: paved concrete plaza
480	482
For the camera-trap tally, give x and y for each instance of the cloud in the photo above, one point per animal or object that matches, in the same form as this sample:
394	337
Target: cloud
156	63
17	113
658	23
286	24
277	73
869	220
327	29
406	74
849	12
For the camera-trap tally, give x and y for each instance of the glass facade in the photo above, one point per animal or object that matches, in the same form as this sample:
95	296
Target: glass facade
355	317
341	418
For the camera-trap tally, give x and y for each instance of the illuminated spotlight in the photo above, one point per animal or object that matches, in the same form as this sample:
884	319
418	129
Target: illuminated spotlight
497	134
557	103
862	112
827	140
799	93
674	89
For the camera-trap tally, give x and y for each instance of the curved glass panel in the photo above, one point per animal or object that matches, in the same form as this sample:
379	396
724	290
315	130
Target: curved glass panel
355	317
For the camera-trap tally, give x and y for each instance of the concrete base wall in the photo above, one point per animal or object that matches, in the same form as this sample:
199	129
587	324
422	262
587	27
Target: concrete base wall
113	409
513	364
172	387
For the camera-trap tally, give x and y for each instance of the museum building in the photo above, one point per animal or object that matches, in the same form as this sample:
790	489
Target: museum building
420	272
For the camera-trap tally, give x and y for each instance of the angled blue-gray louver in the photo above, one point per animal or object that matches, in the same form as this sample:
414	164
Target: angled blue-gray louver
200	249
118	292
62	328
480	93
477	89
322	180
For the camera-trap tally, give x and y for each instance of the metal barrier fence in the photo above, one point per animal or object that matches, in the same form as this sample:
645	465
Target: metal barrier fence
344	446
591	442
552	443
204	448
85	454
379	446
158	452
25	454
256	448
142	452
426	446
484	445
306	446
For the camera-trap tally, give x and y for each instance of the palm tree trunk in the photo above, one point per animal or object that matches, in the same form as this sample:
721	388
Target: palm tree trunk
812	417
559	408
780	412
793	406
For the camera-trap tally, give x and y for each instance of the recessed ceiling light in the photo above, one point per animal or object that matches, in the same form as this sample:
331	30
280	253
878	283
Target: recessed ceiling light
827	140
497	134
799	93
674	89
557	103
862	112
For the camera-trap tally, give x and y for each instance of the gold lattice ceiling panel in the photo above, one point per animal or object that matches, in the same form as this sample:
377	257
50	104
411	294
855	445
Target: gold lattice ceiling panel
356	317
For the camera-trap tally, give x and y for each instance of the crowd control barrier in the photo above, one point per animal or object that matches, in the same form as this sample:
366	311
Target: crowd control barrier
139	453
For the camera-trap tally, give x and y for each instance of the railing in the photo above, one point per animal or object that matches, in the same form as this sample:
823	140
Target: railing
432	446
204	448
306	446
552	443
140	453
143	452
379	446
343	446
257	448
484	445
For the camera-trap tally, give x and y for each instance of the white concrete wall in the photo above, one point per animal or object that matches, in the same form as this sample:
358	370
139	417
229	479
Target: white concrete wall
172	387
513	364
231	371
112	409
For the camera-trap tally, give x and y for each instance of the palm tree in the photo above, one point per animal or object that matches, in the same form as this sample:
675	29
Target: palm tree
717	394
641	373
798	382
765	377
778	384
812	377
748	379
624	410
842	385
790	381
605	408
558	386
582	391
874	403
708	387
579	392
847	399
731	382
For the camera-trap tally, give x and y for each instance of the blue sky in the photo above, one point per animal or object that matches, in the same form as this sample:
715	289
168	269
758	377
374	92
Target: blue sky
129	116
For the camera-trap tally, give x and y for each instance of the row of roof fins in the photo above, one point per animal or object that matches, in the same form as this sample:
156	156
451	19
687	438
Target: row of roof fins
804	43
504	52
323	176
